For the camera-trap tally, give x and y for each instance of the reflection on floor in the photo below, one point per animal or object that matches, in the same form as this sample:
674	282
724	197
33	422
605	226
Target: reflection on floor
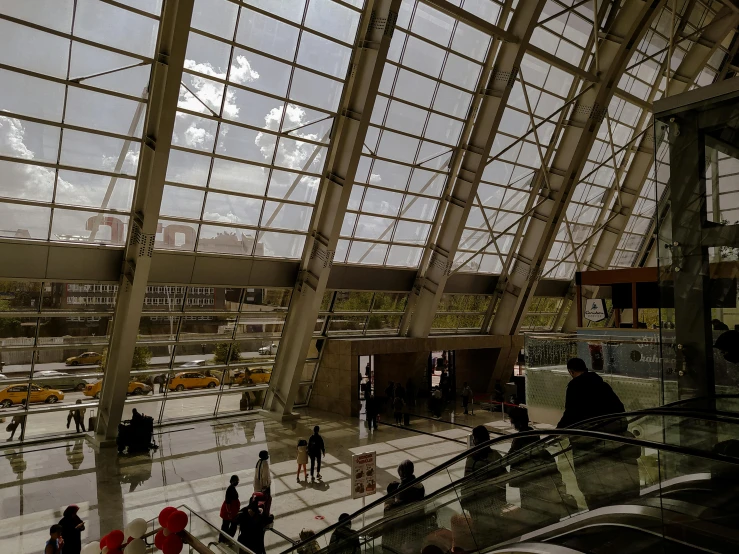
193	465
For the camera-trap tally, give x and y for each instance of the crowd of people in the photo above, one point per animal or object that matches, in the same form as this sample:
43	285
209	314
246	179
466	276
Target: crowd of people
601	476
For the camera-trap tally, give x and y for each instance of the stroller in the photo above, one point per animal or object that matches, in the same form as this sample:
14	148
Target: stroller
136	434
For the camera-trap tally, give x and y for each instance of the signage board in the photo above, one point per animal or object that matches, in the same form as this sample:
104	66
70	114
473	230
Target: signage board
364	474
595	309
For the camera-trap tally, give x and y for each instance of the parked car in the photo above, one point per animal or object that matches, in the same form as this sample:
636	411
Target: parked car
17	394
134	387
193	364
268	350
60	380
86	358
192	380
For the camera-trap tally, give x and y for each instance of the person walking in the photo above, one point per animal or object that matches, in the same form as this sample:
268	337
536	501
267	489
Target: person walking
316	449
230	509
303	459
263	479
398	410
55	543
78	414
17	421
72	527
371	409
466	397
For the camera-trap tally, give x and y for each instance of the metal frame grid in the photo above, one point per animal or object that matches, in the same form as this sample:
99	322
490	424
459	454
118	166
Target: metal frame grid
243	185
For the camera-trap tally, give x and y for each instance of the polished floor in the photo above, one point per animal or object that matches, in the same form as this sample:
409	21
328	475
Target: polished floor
193	465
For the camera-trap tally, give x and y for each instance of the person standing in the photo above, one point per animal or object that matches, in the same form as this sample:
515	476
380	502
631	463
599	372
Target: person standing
316	449
252	524
303	459
466	397
72	527
230	509
371	409
55	543
398	409
605	471
309	547
262	478
587	396
344	540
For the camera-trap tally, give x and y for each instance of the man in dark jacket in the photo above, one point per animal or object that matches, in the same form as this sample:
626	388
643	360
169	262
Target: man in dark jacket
344	540
316	449
603	471
587	396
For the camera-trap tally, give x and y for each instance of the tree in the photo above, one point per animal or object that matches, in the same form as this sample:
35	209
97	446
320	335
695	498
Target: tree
221	354
141	358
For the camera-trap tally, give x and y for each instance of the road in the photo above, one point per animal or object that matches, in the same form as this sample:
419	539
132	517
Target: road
19	370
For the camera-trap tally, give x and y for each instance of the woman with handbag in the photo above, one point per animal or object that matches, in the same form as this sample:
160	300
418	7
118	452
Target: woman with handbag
230	509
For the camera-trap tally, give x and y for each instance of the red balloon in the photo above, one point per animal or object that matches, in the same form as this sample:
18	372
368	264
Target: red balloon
115	540
164	515
104	542
172	545
159	539
177	521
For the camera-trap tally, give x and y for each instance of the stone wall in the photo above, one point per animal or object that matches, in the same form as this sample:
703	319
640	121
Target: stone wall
336	386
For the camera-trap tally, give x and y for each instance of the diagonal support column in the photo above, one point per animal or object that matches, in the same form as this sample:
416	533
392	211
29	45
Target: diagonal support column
617	44
440	254
375	33
158	127
643	157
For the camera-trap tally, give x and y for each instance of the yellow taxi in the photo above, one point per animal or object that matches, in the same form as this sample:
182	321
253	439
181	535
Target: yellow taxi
257	375
192	380
134	387
17	394
86	358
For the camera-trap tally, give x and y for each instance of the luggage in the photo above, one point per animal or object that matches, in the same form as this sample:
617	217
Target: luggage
91	422
136	435
406	419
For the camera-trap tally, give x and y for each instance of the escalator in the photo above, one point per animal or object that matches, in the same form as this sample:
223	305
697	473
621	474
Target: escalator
660	480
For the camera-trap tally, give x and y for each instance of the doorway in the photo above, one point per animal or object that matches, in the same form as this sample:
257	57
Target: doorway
366	380
442	373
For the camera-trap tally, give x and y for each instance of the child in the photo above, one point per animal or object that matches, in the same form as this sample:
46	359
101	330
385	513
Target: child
303	458
310	547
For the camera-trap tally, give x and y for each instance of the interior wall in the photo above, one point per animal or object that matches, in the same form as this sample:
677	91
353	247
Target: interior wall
337	382
398	368
484	358
476	367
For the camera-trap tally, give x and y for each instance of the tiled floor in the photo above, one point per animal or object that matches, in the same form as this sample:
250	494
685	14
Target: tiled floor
193	465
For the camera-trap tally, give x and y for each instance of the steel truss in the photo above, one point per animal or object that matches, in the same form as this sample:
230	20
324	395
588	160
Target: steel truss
618	42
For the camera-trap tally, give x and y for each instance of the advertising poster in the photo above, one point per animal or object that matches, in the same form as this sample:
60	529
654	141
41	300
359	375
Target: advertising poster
364	470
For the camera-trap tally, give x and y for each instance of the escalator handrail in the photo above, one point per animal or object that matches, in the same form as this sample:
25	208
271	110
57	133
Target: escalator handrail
697	398
598	435
722	417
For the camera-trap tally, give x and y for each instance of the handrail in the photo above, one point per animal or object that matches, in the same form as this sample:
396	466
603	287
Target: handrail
234	543
548	432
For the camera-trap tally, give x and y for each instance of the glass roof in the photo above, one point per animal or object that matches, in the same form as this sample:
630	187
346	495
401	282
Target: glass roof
262	83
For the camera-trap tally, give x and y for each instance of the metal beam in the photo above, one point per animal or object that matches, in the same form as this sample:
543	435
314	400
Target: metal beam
617	45
472	20
559	63
158	127
640	167
376	30
466	176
